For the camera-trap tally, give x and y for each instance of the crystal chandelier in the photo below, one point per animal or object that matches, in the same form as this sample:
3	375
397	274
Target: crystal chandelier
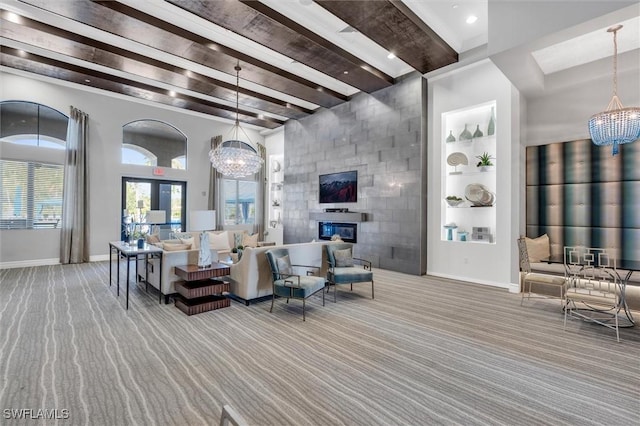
616	125
233	157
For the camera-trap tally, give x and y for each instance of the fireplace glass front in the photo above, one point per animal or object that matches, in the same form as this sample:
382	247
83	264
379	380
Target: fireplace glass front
347	231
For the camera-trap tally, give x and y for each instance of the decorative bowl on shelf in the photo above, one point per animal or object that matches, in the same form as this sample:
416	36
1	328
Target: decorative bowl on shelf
454	202
479	195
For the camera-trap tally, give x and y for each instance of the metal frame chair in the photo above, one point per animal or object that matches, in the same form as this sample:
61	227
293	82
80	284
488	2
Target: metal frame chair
529	278
346	274
293	286
595	292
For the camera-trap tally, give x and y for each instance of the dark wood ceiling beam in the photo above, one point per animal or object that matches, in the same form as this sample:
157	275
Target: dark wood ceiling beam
394	26
294	26
261	24
108	18
66	43
41	65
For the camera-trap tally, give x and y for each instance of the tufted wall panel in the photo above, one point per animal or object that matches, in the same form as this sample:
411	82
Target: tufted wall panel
581	195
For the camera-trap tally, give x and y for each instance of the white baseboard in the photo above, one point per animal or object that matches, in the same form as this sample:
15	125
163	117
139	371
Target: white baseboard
98	258
29	263
45	262
471	280
514	288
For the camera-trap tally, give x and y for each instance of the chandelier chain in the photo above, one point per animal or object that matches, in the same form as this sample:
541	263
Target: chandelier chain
237	68
233	157
615	62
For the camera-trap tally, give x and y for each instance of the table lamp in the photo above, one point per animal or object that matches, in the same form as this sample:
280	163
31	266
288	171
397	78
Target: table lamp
155	217
203	220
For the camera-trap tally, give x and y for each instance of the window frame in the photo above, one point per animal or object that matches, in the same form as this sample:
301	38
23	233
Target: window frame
33	156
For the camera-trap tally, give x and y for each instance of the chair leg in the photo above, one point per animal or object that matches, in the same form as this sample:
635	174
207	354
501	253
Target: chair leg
351	286
303	306
335	289
272	299
566	308
322	297
372	295
617	329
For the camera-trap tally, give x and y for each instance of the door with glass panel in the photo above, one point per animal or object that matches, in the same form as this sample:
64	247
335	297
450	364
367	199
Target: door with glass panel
139	196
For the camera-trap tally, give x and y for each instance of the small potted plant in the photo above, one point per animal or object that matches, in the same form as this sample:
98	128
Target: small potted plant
484	162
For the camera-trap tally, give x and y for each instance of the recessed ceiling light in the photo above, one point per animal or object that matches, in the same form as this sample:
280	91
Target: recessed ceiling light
348	29
22	53
172	93
345	72
471	19
391	56
86	80
13	17
260	116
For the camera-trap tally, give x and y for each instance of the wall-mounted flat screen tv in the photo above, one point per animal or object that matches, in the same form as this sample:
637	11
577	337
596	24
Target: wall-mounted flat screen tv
339	187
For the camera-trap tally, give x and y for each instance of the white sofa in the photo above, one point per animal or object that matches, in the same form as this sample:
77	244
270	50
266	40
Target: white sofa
171	259
250	278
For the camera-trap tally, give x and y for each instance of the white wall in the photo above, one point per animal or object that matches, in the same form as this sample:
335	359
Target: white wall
107	115
491	264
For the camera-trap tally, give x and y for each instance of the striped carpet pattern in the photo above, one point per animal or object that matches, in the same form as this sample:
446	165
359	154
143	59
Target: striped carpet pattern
426	351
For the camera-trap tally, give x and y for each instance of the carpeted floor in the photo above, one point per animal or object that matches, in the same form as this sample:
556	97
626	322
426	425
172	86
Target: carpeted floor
426	351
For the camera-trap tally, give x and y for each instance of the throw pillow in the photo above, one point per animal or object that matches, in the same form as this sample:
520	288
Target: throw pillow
180	235
189	241
176	247
538	248
152	239
284	265
343	257
219	241
238	237
250	240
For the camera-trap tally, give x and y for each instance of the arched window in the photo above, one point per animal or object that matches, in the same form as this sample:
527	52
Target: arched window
33	138
133	154
153	143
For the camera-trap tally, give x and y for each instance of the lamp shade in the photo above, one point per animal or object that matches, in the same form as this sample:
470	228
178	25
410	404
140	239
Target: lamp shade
156	217
202	220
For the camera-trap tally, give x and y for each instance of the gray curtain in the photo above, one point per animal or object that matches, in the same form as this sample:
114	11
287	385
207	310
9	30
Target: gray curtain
214	188
74	235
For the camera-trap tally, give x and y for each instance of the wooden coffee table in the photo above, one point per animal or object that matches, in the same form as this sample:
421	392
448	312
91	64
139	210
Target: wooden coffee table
200	292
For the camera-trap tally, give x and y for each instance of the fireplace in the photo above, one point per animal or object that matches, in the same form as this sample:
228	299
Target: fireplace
347	231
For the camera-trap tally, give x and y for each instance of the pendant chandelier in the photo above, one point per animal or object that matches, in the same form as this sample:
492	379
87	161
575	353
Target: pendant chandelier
233	157
617	125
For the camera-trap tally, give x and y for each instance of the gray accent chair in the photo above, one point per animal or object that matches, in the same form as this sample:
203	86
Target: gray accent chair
289	285
346	269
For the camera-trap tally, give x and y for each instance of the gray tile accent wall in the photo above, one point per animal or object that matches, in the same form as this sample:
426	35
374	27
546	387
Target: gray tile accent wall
382	136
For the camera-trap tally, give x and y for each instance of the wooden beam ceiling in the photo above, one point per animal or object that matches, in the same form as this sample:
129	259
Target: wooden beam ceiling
168	62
